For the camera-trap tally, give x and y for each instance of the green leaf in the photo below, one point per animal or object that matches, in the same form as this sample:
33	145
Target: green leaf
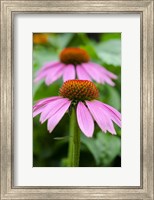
43	55
110	52
46	150
61	40
104	148
114	98
110	95
84	38
78	40
91	145
36	86
109	146
61	138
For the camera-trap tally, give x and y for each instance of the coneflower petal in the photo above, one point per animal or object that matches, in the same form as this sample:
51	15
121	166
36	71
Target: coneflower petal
69	73
81	73
52	108
38	111
117	113
54	120
54	74
113	116
40	105
92	72
103	119
85	120
44	101
107	80
40	76
48	71
47	66
102	69
97	115
111	112
99	74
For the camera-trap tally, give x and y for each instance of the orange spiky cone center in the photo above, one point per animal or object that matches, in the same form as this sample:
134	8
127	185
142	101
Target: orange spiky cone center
79	90
74	56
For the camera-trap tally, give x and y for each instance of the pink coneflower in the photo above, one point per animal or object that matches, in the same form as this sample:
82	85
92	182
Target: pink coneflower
74	64
40	38
82	95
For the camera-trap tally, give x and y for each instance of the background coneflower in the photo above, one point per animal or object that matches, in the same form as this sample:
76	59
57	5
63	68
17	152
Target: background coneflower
74	63
40	38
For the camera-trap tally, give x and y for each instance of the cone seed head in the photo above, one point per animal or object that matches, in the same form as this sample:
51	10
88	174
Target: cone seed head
79	90
74	55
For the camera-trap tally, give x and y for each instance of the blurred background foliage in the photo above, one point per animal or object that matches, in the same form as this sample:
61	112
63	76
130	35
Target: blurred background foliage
103	150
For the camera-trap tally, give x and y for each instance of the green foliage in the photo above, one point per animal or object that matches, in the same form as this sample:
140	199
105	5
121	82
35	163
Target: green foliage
60	40
44	91
110	95
110	52
42	55
105	148
50	150
109	36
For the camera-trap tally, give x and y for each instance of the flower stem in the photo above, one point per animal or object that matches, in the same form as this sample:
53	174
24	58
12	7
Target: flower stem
74	141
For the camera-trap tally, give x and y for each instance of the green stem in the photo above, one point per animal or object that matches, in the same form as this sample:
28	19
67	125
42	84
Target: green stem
74	141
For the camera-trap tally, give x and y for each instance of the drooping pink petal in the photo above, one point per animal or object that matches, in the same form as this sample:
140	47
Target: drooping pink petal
117	113
40	76
85	120
47	66
55	74
94	74
110	126
103	70
44	101
40	105
110	74
43	73
113	116
97	115
107	80
39	102
103	119
98	73
45	70
38	111
69	73
54	119
52	79
81	73
52	108
111	112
